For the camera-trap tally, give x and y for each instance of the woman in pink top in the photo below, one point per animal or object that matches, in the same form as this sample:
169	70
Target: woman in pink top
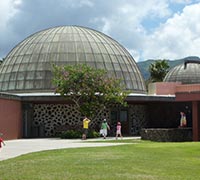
118	132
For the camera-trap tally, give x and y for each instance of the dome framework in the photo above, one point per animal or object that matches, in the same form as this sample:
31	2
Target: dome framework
186	73
28	67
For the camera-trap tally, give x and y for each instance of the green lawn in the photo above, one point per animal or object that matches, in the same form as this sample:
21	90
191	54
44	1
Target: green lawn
136	160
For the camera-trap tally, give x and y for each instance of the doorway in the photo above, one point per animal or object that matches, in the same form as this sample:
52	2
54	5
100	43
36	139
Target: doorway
122	116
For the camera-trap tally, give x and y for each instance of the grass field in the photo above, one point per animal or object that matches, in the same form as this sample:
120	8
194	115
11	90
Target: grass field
136	160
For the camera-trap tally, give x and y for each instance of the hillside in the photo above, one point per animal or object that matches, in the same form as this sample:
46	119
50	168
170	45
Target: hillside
144	65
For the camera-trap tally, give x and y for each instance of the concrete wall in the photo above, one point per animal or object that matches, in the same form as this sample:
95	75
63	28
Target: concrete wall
10	119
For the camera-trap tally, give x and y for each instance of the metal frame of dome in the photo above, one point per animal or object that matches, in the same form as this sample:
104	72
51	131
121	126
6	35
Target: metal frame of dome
28	66
186	73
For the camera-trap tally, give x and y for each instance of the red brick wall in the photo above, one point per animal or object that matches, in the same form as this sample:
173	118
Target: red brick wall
166	88
188	88
163	88
10	119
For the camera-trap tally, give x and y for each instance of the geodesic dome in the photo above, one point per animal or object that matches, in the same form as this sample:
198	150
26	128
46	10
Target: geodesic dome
28	66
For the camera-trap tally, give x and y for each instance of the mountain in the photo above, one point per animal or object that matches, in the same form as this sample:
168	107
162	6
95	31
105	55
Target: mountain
144	65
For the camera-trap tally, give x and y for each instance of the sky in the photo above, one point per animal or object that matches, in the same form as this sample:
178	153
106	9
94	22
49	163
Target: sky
148	29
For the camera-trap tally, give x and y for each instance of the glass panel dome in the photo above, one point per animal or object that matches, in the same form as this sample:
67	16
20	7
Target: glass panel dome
27	68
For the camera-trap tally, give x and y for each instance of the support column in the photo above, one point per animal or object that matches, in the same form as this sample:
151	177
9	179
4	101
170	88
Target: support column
195	121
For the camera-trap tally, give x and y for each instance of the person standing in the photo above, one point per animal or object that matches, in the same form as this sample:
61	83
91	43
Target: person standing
104	128
183	121
86	122
118	130
1	140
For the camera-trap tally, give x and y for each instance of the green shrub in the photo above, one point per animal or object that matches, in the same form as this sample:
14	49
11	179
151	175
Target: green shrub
93	134
70	134
73	134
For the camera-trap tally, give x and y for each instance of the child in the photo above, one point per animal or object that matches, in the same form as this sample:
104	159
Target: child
1	141
118	132
104	127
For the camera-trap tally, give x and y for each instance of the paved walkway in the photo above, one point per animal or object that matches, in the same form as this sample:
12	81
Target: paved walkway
18	147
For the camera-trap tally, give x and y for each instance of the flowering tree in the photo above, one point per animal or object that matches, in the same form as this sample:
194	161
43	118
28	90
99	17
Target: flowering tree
88	88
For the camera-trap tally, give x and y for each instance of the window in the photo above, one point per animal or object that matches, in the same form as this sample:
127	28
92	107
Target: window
123	115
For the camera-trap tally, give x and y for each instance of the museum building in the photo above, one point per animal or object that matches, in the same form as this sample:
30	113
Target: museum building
30	108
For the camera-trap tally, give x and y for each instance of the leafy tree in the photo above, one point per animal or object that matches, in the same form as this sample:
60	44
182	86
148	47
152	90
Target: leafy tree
158	70
88	88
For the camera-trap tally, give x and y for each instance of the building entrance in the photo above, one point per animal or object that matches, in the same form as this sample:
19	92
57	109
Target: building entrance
122	116
30	130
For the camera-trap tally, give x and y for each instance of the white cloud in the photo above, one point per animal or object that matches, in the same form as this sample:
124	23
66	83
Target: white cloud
181	1
178	37
148	29
8	9
76	4
86	3
135	54
124	22
130	14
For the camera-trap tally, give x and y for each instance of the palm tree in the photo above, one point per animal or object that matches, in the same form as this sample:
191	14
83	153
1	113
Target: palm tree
158	70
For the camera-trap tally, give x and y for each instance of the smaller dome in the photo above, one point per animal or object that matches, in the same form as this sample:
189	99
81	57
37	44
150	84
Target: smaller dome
186	73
